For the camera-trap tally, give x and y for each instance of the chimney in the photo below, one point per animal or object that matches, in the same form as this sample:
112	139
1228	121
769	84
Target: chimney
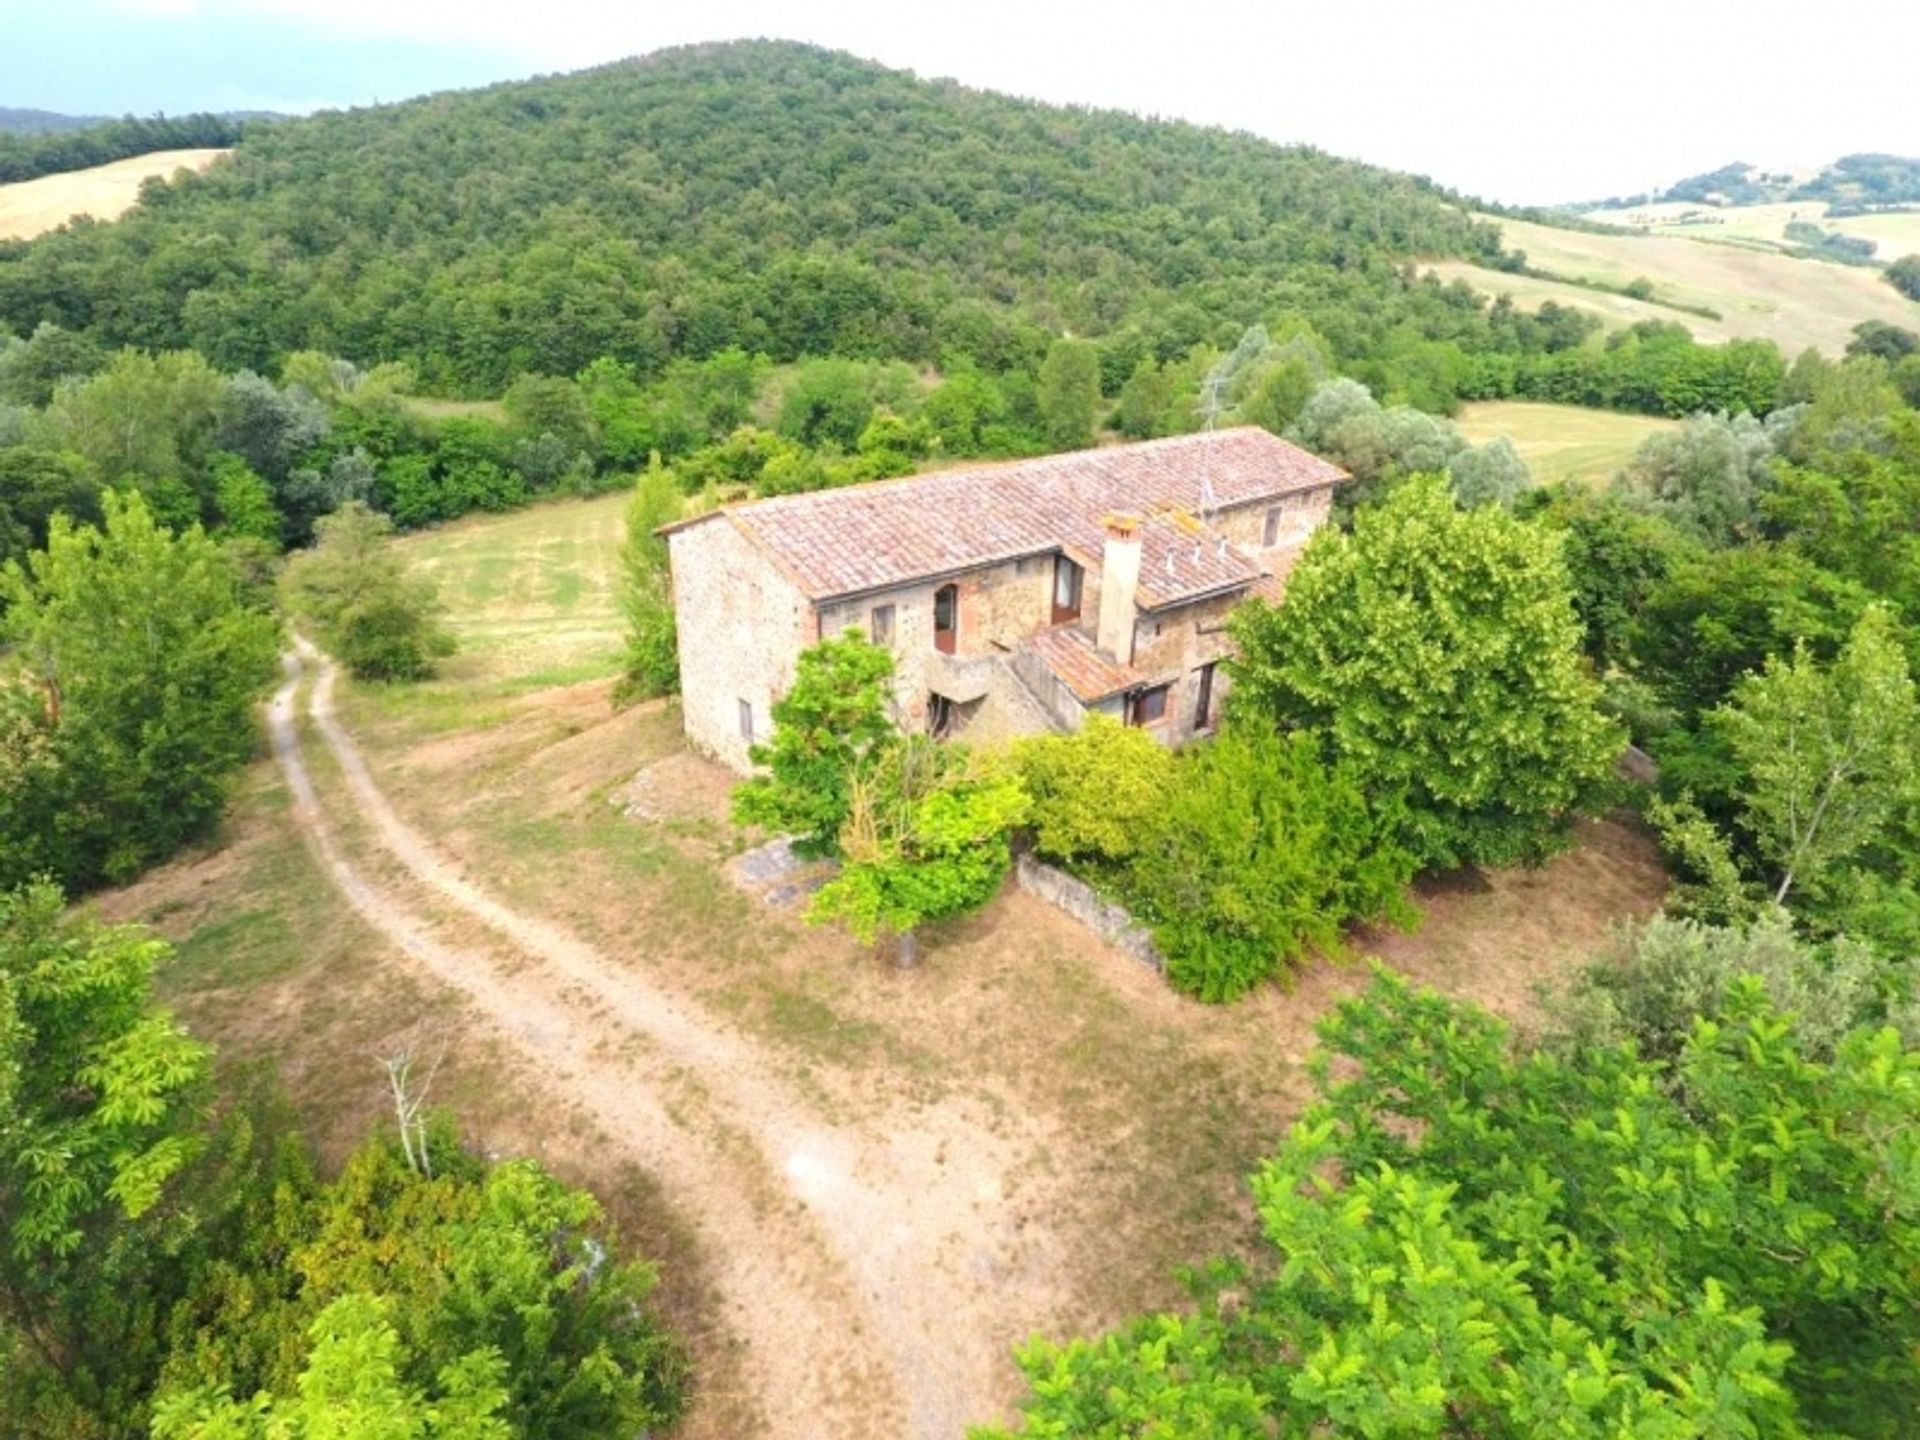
1119	586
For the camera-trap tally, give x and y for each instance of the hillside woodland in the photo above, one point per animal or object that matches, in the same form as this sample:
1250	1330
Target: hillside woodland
1685	1202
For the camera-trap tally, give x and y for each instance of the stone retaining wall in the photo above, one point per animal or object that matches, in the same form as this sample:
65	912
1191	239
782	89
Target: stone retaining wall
1083	903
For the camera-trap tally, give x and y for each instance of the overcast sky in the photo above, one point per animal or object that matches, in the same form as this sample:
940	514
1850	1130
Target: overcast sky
1519	100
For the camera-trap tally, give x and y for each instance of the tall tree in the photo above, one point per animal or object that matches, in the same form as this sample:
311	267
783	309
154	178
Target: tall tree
651	663
833	723
1437	652
102	1100
126	696
1828	751
1070	393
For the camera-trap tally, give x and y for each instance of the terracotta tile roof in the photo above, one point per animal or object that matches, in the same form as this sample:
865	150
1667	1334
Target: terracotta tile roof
1180	559
894	532
1069	652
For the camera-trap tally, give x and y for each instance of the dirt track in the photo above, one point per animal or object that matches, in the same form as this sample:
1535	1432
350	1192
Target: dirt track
874	1286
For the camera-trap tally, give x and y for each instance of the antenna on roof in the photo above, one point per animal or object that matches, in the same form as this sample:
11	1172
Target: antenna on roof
1254	344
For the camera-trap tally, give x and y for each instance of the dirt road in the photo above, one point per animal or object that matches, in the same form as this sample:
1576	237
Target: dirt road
874	1286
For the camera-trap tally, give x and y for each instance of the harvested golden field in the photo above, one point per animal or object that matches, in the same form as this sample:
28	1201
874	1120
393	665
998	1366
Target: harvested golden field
1561	442
1794	303
106	192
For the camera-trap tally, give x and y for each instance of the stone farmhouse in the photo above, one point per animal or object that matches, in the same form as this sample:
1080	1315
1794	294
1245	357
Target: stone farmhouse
1016	597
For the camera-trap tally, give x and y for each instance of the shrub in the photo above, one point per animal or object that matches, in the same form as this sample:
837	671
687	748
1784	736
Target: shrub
1258	852
1095	792
378	620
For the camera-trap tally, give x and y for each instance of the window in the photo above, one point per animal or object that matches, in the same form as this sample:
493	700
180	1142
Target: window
1203	699
1271	535
746	721
880	625
1067	578
946	618
1148	707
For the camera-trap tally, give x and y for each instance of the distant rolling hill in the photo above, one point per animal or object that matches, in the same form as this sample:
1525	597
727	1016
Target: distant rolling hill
42	122
774	196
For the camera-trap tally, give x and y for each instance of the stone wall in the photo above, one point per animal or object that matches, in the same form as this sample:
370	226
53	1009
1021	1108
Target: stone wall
743	625
1081	902
999	606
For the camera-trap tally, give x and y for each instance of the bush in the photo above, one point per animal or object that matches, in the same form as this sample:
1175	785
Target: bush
354	590
1095	792
1657	980
1257	852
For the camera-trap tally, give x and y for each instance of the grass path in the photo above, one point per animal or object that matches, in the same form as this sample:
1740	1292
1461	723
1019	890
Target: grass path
871	1246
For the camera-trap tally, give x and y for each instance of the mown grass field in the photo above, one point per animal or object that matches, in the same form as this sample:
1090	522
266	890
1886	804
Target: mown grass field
105	192
1794	303
532	596
1562	442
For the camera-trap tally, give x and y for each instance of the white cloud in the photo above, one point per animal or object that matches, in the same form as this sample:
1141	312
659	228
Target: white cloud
1520	99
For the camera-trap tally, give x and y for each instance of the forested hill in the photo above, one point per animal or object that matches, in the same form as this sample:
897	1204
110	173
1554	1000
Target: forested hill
768	195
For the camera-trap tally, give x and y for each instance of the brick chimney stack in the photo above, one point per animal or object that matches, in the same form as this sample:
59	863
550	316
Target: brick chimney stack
1119	586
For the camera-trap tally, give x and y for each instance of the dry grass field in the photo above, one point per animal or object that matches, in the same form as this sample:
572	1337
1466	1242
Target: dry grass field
106	192
872	1182
1795	303
1561	442
1894	234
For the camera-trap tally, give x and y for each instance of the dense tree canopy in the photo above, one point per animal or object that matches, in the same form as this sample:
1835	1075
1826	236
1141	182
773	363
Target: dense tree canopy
1472	1239
1437	652
127	681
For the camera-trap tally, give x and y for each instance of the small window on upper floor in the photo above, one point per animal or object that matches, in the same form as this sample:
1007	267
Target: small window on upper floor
1067	580
1148	707
880	625
1270	536
946	618
746	721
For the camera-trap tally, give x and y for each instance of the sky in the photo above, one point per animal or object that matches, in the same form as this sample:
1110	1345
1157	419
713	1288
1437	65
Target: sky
1532	102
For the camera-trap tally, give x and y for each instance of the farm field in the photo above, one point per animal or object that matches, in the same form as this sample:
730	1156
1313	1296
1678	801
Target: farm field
1895	234
1795	303
864	1185
105	192
1561	442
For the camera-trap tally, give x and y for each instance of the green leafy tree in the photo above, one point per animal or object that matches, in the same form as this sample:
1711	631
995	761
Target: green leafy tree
651	664
1707	477
1827	754
926	839
1258	852
1904	275
833	723
1094	792
243	501
1471	1239
475	1261
102	1103
36	485
1437	652
126	696
1070	393
352	1386
354	589
1712	618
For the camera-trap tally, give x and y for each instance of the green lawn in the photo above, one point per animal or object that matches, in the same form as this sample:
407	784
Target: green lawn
1562	442
532	595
